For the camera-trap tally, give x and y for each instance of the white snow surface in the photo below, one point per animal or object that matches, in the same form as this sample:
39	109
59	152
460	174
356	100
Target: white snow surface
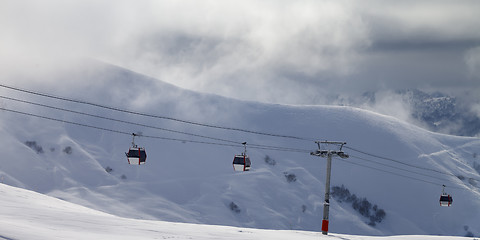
30	215
195	183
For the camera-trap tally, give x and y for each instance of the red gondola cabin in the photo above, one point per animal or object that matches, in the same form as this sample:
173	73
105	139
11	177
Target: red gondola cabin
136	155
241	163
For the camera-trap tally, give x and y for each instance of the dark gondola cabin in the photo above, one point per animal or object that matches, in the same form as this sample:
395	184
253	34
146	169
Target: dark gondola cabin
241	163
446	200
136	155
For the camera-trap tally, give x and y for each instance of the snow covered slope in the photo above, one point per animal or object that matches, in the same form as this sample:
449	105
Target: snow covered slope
29	215
191	182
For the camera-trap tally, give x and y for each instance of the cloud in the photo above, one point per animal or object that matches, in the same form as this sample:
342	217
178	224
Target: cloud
296	52
229	45
421	21
392	104
472	59
203	45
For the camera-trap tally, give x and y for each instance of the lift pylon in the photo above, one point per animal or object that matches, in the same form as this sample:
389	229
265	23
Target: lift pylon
328	154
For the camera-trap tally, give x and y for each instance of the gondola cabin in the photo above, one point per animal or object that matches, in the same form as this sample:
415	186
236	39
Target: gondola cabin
241	163
446	200
136	156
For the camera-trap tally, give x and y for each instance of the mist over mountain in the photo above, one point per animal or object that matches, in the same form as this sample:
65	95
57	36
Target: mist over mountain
435	111
443	113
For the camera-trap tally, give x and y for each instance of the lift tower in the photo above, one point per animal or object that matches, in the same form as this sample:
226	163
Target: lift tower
328	154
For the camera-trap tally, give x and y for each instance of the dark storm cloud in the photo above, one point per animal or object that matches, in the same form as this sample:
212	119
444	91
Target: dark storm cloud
424	45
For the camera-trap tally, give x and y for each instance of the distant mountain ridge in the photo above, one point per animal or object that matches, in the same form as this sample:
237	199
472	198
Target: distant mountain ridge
438	112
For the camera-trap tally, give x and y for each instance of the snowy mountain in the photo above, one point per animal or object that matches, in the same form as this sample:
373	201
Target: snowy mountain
393	166
29	215
435	111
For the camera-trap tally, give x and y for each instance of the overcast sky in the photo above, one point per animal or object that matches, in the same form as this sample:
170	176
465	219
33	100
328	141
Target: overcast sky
295	52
